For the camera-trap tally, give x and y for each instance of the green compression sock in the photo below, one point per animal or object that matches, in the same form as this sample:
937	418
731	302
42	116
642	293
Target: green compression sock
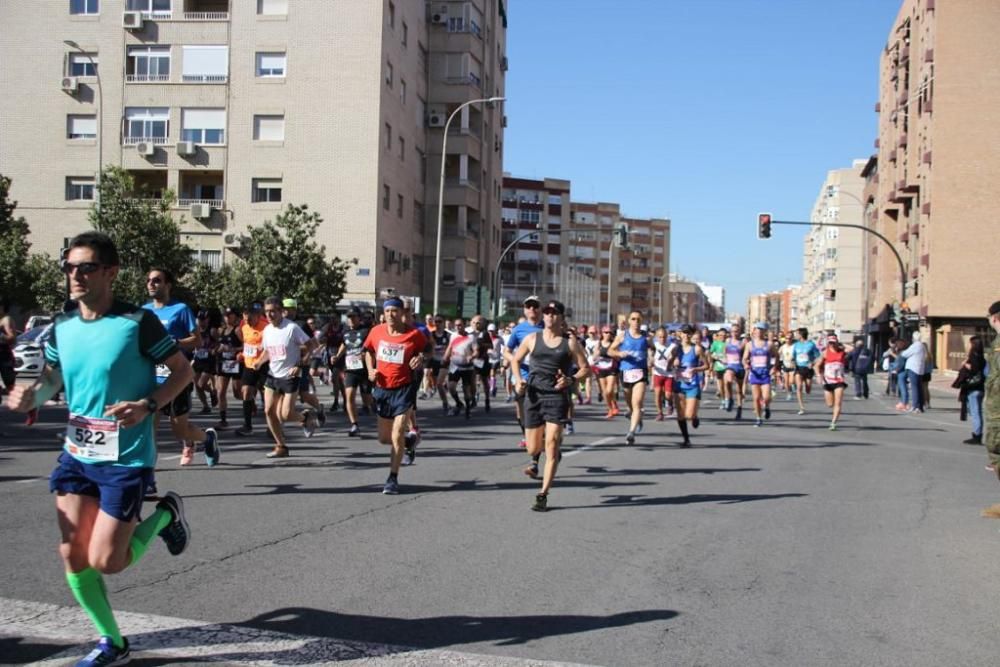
88	589
146	532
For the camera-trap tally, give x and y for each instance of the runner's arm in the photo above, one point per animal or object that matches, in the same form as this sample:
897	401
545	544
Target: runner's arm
581	360
130	413
613	350
191	342
21	398
523	350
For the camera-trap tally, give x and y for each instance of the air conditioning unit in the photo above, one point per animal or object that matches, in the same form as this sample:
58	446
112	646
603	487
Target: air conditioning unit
201	211
234	240
186	148
70	84
503	64
132	20
145	148
435	119
440	17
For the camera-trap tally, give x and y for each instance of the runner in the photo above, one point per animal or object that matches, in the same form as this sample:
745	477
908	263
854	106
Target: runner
495	357
806	353
252	377
320	362
531	323
606	368
481	361
206	363
105	354
735	376
832	365
787	354
690	361
285	345
458	357
352	354
590	343
8	339
229	364
306	392
547	392
333	337
435	376
757	357
663	380
180	323
717	352
393	351
631	348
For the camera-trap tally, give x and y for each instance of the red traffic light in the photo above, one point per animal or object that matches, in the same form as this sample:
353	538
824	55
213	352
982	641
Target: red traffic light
763	225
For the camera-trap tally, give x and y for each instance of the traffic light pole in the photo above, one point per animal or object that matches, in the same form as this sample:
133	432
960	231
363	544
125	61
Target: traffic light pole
495	283
902	267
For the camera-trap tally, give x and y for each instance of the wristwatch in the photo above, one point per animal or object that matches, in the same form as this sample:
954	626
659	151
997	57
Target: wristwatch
151	405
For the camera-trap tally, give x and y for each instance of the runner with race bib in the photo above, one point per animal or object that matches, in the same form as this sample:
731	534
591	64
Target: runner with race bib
631	348
832	365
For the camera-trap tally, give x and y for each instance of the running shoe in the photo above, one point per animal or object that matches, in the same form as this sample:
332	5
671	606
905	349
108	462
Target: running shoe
523	444
569	428
243	431
187	455
630	438
408	455
532	471
32	417
321	416
758	422
151	494
659	416
739	413
541	503
802	412
177	533
638	427
695	422
833	426
468	411
510	397
221	424
214	396
686	443
414	436
788	397
486	405
308	423
106	654
355	431
767	411
391	487
278	453
211	445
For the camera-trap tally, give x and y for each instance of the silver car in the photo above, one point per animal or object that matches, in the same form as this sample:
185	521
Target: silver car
29	358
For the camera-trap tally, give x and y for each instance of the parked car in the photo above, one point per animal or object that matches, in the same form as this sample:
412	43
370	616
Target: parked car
29	358
37	321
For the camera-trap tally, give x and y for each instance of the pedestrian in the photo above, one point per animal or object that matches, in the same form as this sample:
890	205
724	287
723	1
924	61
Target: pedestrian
970	384
105	353
916	360
888	365
991	402
859	363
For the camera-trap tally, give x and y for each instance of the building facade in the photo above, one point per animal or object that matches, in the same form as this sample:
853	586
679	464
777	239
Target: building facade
241	108
936	173
831	296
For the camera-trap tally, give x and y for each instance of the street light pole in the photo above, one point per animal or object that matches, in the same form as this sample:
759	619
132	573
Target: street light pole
495	284
440	220
100	123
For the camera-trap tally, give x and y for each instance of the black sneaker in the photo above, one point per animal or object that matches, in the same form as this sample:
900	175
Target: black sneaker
355	431
214	396
211	445
541	503
686	443
321	417
974	440
767	412
532	471
177	533
695	422
739	412
244	432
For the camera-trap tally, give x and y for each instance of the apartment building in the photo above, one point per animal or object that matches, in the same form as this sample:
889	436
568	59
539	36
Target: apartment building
241	108
690	304
716	295
831	296
936	172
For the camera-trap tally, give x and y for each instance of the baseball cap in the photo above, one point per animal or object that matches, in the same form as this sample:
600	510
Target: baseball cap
995	308
255	307
491	327
554	307
290	303
761	325
532	298
354	312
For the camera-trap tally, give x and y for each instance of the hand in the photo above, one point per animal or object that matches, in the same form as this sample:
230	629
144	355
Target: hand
416	362
294	371
562	382
371	375
21	398
128	413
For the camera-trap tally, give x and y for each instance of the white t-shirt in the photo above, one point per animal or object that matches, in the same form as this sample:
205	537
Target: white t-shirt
462	350
284	347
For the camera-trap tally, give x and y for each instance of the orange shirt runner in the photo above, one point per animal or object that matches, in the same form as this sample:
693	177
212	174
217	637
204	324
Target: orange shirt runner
253	337
393	355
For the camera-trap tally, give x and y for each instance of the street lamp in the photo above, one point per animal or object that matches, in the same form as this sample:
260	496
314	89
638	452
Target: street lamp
440	221
100	123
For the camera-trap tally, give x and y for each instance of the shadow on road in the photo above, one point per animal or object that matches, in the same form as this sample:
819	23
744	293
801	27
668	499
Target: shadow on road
630	472
640	501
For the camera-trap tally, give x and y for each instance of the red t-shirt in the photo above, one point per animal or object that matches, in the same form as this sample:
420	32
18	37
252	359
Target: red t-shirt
393	355
833	365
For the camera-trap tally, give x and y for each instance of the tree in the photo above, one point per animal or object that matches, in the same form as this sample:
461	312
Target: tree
48	283
15	281
143	230
283	260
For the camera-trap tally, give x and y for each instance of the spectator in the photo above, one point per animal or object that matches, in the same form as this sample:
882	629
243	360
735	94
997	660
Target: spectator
970	383
888	365
859	362
899	368
991	402
8	338
916	361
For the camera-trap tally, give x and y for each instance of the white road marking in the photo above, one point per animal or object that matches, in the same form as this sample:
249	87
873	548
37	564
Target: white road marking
596	443
185	640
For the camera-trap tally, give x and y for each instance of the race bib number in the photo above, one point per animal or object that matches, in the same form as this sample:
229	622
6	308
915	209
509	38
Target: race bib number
162	371
250	351
802	358
391	353
478	363
732	358
632	375
605	364
833	371
92	438
201	353
353	361
276	352
230	366
687	374
758	362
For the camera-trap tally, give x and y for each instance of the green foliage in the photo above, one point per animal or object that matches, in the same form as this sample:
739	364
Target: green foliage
15	282
48	283
143	230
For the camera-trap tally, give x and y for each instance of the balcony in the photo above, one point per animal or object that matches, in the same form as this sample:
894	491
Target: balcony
925	208
204	78
876	142
904	54
929	56
132	141
915	229
147	78
892	155
927	157
902	139
914	273
925	261
904	97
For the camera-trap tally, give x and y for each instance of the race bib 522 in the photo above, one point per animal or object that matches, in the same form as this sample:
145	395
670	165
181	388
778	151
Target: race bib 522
92	438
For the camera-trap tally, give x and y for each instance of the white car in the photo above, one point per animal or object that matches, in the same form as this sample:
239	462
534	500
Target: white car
29	358
37	321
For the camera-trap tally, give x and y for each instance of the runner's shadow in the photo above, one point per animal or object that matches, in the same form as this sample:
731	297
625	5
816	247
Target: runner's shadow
822	445
22	650
604	471
646	501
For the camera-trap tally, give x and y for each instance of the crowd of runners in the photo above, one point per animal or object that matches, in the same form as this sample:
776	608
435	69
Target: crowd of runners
123	368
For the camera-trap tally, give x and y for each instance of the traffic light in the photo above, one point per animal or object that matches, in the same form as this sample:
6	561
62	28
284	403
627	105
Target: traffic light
763	225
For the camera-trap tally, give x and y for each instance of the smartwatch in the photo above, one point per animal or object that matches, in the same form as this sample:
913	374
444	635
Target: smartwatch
151	405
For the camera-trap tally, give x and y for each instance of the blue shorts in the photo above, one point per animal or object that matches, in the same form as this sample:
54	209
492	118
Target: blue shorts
119	488
689	391
391	403
738	371
760	376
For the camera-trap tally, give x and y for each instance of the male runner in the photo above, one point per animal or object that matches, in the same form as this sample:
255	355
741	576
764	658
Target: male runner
8	340
787	354
631	348
547	391
105	353
531	323
435	375
285	344
180	323
734	376
663	376
481	358
306	393
355	374
458	357
717	352
806	353
252	377
393	351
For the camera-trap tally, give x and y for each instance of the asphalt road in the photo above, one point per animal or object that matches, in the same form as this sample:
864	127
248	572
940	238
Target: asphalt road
783	545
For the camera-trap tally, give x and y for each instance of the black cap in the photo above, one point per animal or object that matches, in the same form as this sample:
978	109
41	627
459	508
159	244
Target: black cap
354	312
255	307
554	306
995	308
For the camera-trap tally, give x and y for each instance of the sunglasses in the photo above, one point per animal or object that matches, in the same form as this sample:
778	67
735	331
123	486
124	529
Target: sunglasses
270	312
532	305
86	268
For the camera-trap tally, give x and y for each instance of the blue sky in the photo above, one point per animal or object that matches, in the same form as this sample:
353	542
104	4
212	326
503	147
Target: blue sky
702	111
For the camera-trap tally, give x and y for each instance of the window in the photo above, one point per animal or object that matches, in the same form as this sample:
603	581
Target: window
203	126
84	7
388	74
146	124
402	149
392	16
267	189
388	137
80	65
422	163
271	65
406	33
272	7
153	7
399	206
385	197
418	215
268	128
402	91
79	188
148	63
210	258
206	64
81	127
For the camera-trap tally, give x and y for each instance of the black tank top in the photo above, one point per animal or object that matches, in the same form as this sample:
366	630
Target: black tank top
547	361
232	341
